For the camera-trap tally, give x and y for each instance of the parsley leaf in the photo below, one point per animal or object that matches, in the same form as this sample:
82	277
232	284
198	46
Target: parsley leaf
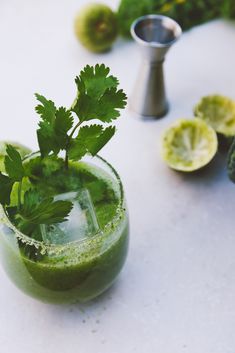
98	97
13	164
45	211
6	185
90	139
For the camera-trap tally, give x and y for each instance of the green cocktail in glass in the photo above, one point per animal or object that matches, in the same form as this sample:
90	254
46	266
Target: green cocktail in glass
63	219
76	270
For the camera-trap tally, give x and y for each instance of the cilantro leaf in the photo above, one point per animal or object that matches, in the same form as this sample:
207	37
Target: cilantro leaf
45	211
90	139
31	199
47	109
45	139
96	80
63	123
98	97
54	126
6	185
104	138
77	149
13	164
107	110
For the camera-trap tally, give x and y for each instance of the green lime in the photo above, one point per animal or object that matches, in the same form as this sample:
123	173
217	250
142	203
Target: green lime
218	112
189	145
23	150
96	27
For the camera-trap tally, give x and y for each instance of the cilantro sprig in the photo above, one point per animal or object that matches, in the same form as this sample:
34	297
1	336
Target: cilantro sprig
98	98
61	130
35	209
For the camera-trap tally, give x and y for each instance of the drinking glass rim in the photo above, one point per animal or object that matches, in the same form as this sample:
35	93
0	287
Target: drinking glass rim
31	241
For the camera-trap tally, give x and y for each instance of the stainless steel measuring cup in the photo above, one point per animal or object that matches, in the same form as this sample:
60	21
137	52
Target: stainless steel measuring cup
154	34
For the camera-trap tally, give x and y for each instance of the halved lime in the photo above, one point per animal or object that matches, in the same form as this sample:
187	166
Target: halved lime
23	150
189	145
219	112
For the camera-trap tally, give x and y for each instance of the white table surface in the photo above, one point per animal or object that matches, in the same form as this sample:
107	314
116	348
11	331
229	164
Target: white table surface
176	292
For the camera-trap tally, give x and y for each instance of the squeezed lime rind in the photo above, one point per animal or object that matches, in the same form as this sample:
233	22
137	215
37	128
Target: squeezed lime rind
219	112
189	145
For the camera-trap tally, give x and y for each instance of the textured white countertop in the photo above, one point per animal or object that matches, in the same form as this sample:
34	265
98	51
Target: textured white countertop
176	292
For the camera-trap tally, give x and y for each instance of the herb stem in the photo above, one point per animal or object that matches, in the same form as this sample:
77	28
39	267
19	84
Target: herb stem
66	160
75	128
67	147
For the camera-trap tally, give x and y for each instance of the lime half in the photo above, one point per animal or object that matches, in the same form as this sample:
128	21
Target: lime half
189	145
23	150
218	112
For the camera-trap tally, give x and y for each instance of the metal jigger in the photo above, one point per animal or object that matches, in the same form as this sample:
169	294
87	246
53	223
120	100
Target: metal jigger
154	35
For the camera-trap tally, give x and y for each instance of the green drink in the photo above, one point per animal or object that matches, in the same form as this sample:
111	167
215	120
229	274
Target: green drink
81	269
63	219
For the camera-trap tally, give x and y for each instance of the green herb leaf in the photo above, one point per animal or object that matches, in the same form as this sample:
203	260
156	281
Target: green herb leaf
45	142
104	138
90	139
47	109
13	164
46	211
63	123
6	185
98	97
96	80
109	105
53	128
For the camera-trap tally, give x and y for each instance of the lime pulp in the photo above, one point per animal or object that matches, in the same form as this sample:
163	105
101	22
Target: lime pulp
219	112
189	145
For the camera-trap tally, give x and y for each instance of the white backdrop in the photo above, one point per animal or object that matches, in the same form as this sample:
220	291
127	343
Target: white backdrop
176	292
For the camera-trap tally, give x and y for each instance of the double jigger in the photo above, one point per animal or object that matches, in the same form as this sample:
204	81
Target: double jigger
154	34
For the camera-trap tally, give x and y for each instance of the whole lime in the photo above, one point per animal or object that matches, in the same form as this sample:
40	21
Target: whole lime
96	27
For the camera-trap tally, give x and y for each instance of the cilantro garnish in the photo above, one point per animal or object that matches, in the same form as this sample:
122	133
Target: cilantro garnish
98	98
61	130
53	127
13	164
90	139
36	211
6	185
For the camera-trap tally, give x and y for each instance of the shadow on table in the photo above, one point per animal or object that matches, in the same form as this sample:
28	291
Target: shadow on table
215	171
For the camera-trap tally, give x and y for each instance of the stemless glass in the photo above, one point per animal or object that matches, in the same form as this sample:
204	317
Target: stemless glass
73	272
